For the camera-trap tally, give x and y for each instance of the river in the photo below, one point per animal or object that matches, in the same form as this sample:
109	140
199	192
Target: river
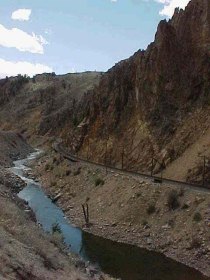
119	260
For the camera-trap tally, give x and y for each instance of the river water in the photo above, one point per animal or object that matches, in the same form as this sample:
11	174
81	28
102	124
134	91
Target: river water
119	260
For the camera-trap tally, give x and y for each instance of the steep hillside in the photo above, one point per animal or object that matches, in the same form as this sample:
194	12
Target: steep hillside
12	147
156	103
42	104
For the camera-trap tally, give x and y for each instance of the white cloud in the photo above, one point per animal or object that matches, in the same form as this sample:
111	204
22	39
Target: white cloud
113	1
21	14
170	5
13	68
24	42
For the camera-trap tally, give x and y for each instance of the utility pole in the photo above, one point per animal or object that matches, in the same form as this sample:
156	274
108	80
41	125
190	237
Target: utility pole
152	166
204	169
106	155
122	158
88	148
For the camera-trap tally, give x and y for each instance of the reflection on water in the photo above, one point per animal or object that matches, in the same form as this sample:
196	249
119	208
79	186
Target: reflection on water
119	260
132	263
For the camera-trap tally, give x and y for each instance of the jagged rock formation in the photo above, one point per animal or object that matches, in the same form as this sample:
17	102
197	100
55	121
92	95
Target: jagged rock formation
155	103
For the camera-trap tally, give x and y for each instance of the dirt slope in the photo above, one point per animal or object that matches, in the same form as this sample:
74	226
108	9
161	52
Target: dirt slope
12	146
192	157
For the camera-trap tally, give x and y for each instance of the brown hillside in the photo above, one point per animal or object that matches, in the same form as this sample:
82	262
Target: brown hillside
156	103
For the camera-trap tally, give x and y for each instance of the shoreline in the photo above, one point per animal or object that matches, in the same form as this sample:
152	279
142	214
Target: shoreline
124	232
81	266
115	234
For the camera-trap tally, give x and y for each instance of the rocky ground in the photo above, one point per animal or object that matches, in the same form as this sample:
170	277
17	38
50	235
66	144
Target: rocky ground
167	219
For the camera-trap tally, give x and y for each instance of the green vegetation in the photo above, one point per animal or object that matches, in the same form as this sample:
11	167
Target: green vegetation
185	206
197	217
68	172
18	82
173	200
181	192
151	209
195	243
56	228
144	223
171	223
77	172
99	181
47	167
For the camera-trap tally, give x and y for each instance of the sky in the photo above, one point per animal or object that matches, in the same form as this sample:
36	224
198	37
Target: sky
65	36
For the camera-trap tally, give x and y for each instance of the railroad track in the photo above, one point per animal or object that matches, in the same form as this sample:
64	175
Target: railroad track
200	188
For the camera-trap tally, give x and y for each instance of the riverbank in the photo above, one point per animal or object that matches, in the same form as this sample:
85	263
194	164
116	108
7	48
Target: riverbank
26	252
131	210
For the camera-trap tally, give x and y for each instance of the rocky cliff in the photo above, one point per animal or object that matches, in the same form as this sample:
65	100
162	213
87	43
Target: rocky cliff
156	103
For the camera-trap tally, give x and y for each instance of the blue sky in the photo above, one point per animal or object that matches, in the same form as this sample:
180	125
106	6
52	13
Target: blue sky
65	36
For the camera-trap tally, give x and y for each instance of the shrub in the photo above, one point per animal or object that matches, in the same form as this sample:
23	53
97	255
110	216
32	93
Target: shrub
151	209
173	201
47	167
185	206
181	192
77	172
197	217
195	243
138	194
68	172
144	223
56	228
53	183
171	223
99	181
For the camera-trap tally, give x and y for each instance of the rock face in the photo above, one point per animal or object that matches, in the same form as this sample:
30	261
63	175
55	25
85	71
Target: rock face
148	104
12	147
154	104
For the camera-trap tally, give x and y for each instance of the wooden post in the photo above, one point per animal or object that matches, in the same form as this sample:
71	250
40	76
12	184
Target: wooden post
88	148
106	156
84	212
152	167
123	158
85	209
204	169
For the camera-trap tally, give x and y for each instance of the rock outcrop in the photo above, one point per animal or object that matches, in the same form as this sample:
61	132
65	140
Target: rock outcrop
148	104
12	147
154	104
